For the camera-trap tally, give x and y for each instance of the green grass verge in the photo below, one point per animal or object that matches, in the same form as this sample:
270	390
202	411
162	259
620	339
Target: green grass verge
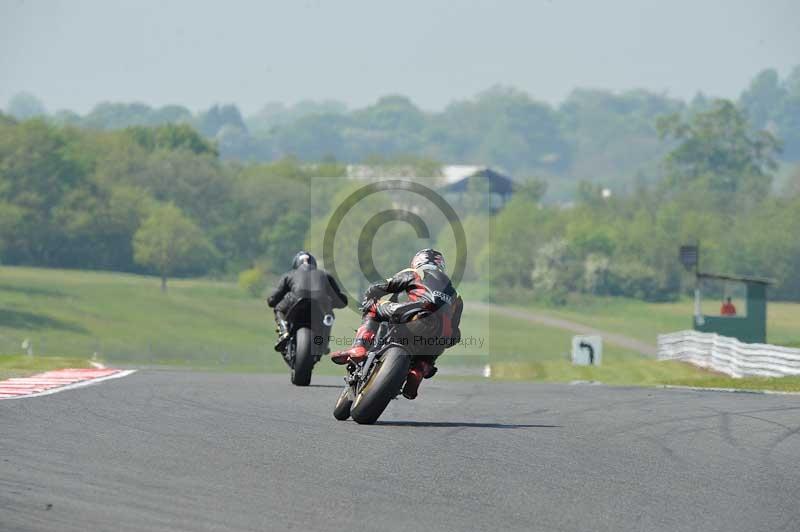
645	321
125	318
640	372
23	365
203	324
783	384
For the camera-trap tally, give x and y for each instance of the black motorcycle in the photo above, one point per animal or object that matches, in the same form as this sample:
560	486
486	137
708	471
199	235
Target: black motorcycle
372	384
309	332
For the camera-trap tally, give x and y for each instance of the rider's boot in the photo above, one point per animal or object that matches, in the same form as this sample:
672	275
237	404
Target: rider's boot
365	335
283	336
420	370
356	354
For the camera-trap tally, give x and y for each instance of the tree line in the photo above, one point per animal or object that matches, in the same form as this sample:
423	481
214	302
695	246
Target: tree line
716	189
161	200
141	199
598	136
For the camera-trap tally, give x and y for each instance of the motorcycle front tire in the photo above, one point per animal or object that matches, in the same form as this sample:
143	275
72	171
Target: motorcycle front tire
342	409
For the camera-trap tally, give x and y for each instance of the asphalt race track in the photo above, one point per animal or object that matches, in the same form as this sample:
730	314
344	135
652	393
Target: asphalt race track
164	450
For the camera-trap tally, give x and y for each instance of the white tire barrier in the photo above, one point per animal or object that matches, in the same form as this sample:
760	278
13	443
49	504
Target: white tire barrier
729	355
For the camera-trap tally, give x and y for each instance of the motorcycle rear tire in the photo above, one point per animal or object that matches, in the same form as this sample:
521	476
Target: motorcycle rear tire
303	358
384	385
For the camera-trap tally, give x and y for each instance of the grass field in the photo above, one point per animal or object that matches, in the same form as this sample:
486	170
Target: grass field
23	365
644	321
203	324
125	318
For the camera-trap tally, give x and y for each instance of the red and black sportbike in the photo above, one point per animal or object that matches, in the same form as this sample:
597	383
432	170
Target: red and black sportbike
372	384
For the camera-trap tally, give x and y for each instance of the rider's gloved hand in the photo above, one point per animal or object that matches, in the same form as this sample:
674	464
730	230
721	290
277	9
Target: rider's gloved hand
367	303
371	292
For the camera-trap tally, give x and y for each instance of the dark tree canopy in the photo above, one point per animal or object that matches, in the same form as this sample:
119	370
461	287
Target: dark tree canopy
720	147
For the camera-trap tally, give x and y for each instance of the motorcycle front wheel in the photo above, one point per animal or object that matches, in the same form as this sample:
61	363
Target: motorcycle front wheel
384	384
342	409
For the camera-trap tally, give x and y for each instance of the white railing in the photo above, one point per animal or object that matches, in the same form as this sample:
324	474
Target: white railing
729	355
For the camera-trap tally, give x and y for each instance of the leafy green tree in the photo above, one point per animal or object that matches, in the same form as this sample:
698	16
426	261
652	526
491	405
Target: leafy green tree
392	126
788	118
766	244
503	127
532	190
168	242
556	271
65	117
763	98
112	115
612	137
284	238
198	185
719	150
10	218
277	114
218	116
792	187
263	198
403	165
171	137
478	233
392	113
253	281
700	103
314	137
25	105
519	230
37	170
170	114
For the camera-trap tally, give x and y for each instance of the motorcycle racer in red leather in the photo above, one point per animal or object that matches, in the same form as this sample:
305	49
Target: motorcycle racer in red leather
432	311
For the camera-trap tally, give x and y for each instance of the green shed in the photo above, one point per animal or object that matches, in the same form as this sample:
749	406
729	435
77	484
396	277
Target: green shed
749	326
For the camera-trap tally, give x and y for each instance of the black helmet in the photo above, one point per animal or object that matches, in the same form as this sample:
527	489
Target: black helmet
428	256
304	257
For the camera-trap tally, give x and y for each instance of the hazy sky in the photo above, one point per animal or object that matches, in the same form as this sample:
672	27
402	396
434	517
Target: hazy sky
75	54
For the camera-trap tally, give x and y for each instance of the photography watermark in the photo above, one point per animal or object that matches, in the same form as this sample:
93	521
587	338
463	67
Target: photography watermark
465	342
370	229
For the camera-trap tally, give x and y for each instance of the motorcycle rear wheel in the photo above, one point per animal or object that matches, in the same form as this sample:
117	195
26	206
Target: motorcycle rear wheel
303	358
383	385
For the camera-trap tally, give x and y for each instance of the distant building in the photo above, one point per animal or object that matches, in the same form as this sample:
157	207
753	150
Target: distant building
482	182
456	172
460	183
